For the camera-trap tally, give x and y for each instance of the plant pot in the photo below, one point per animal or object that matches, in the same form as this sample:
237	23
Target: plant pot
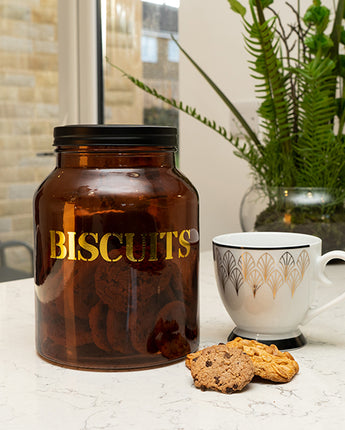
316	211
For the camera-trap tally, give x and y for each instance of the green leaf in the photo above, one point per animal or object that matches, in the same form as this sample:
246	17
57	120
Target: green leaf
337	31
317	149
180	106
340	103
224	98
261	44
342	37
341	65
319	41
318	16
237	7
264	3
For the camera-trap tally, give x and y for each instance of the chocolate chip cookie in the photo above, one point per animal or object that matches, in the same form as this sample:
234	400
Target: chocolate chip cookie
221	368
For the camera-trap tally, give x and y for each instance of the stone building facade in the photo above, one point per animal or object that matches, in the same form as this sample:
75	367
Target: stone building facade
28	108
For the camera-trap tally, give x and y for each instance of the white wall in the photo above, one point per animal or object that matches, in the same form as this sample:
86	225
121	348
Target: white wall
211	33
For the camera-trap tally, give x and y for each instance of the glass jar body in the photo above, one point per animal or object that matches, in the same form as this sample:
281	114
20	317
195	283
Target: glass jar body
117	250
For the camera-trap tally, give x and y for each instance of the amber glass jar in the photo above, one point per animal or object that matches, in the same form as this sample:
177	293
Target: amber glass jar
117	250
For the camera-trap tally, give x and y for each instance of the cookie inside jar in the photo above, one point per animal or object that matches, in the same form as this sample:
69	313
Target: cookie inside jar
116	301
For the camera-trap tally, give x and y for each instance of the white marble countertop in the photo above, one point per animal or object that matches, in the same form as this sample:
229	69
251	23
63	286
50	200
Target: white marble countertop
37	395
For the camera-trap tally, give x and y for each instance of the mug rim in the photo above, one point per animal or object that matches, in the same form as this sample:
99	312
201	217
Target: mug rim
265	240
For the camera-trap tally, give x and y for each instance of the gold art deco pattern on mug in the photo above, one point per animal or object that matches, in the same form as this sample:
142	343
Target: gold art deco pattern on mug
264	272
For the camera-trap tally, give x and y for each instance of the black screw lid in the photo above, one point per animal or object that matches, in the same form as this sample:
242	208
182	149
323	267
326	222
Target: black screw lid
115	135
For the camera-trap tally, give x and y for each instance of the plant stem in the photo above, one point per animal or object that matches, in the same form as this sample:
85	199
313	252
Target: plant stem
251	134
337	28
284	37
274	80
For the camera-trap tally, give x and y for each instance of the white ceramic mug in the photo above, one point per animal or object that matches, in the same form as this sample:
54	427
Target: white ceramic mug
267	283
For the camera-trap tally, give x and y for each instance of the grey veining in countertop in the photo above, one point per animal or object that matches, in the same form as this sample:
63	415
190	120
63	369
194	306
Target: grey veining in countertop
38	395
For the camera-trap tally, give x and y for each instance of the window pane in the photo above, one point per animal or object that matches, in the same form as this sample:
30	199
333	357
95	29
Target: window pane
28	112
173	52
138	41
149	49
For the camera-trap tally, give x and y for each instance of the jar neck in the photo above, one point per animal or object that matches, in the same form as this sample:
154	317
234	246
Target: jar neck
105	157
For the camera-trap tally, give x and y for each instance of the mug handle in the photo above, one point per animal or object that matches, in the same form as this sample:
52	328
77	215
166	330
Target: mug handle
320	273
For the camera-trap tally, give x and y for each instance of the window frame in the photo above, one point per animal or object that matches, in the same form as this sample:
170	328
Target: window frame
81	94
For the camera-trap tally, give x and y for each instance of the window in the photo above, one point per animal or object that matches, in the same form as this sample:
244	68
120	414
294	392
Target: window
149	49
141	47
173	52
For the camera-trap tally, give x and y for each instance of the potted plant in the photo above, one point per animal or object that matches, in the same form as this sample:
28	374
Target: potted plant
299	150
